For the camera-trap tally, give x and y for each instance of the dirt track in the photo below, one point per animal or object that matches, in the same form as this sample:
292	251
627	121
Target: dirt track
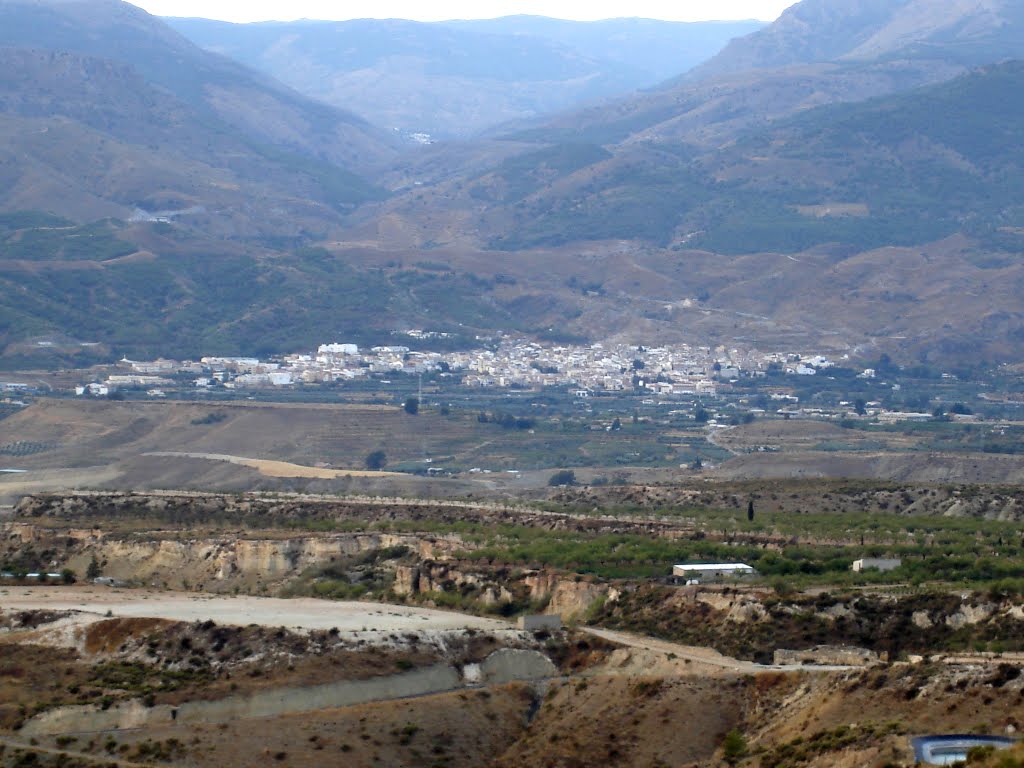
707	656
270	468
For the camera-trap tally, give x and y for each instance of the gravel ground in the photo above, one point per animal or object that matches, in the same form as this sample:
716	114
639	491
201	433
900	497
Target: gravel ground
297	613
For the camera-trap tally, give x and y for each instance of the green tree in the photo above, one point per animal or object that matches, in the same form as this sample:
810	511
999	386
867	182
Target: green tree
412	405
68	576
859	406
562	477
701	416
750	510
94	570
376	460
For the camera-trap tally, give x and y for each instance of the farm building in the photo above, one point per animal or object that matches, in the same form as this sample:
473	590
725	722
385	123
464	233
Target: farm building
712	571
876	563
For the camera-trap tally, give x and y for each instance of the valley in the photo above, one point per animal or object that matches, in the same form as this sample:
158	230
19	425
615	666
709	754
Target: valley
512	392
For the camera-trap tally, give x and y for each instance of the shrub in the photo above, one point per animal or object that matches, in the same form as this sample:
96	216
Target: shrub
734	747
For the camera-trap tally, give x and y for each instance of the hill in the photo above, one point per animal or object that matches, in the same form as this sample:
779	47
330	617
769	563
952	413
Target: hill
90	138
164	200
675	240
881	172
818	52
455	79
971	32
220	89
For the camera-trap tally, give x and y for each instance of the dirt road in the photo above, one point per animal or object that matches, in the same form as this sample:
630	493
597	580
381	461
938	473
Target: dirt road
707	656
295	613
702	655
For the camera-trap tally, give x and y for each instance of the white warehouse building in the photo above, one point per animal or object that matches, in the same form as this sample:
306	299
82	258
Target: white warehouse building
876	563
712	571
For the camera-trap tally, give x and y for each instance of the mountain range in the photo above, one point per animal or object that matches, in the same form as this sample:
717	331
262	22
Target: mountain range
855	160
457	79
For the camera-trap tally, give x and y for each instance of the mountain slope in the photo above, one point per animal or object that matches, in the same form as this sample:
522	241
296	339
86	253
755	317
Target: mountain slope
818	52
459	78
971	32
89	138
900	170
219	88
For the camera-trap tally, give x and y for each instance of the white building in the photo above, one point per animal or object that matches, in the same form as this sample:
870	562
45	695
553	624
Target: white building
876	564
337	349
713	571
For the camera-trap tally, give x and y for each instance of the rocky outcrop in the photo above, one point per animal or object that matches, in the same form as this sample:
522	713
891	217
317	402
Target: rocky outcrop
217	563
565	596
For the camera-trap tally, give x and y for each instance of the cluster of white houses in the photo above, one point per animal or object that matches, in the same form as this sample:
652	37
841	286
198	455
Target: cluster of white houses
665	370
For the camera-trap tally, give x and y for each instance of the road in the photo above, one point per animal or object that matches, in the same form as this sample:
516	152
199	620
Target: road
707	656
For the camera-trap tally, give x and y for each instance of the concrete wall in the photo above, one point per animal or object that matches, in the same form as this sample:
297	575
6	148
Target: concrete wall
841	655
508	664
502	666
538	622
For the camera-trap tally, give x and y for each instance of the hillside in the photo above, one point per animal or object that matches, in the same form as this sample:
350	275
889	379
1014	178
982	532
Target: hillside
220	89
143	215
912	220
971	32
818	52
455	79
882	172
91	138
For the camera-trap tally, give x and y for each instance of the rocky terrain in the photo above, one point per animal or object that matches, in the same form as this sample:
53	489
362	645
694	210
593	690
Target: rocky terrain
615	706
862	667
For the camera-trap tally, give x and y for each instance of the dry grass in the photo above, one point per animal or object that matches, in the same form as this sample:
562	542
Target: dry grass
270	468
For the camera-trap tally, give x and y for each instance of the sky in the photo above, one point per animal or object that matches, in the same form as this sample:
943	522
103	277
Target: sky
438	10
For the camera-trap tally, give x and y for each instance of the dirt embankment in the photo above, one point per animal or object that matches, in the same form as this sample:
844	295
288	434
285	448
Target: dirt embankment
771	496
317	513
896	467
752	625
416	568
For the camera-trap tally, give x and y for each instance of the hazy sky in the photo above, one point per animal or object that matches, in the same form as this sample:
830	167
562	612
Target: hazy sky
436	10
